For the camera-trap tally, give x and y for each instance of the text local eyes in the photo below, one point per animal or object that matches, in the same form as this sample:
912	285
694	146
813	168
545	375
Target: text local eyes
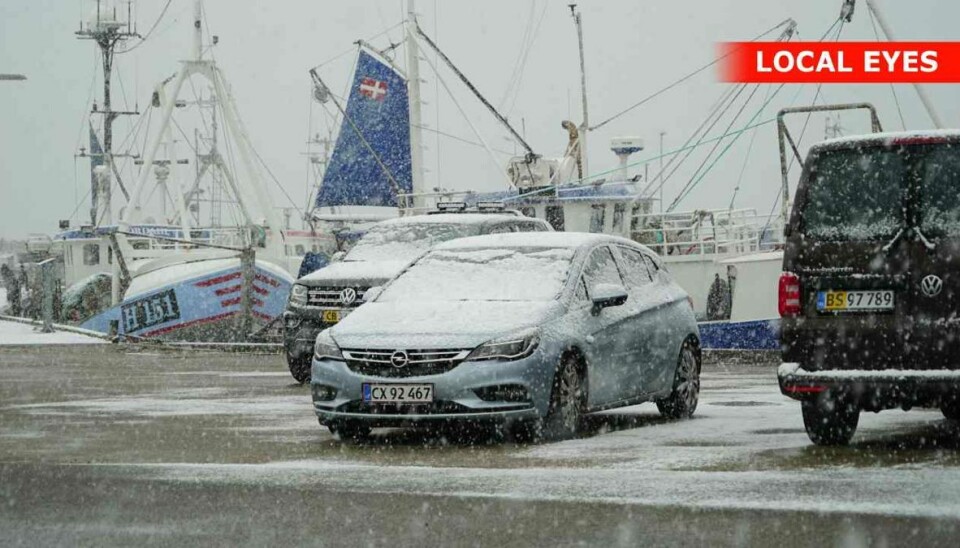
878	61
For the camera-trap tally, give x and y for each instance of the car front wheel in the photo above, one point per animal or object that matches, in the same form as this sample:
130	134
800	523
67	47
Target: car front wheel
568	400
829	421
683	399
299	368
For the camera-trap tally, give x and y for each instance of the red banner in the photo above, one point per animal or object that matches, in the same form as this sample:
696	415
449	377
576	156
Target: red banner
840	62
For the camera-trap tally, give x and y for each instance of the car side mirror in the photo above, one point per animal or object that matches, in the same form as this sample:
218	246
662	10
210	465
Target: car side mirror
372	293
606	295
337	257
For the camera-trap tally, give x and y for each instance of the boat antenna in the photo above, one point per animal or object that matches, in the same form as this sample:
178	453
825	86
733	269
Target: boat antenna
107	31
585	124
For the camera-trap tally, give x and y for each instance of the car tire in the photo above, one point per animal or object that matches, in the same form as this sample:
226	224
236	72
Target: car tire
683	398
299	368
568	401
951	409
349	431
829	421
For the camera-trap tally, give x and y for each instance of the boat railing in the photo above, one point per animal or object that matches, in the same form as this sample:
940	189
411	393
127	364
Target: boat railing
707	232
421	203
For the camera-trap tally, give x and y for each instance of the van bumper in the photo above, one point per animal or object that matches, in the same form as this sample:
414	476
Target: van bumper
872	389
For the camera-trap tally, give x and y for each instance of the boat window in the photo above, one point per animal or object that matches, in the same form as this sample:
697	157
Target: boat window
597	213
618	210
301	251
601	268
109	255
635	268
91	254
528	211
555	217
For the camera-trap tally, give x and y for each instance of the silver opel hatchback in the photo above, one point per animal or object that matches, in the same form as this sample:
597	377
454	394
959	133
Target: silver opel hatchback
529	330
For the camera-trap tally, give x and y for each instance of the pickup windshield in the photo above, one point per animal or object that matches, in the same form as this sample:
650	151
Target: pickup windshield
855	194
403	242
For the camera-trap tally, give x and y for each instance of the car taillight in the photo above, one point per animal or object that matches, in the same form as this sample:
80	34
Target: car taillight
789	296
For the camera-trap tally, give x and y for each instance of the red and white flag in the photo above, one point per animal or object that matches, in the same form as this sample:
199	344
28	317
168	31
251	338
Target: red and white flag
373	89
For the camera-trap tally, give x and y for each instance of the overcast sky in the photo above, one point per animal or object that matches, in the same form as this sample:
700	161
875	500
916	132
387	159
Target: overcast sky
632	48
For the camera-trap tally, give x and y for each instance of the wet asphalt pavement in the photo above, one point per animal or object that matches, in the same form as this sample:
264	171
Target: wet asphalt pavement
102	445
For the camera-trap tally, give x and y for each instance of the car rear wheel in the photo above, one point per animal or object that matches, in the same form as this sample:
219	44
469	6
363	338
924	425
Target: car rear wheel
299	368
568	400
829	421
683	399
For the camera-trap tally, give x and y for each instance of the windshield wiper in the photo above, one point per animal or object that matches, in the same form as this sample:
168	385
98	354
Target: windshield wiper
929	245
894	241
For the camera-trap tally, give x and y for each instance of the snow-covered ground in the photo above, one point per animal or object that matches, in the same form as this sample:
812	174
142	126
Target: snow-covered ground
15	333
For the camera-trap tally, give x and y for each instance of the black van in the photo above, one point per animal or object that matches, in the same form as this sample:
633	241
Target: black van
870	291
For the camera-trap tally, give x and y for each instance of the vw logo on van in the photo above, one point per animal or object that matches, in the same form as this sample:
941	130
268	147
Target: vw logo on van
347	296
399	359
931	285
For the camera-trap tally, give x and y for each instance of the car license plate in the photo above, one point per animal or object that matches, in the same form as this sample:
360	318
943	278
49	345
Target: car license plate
854	301
397	393
331	316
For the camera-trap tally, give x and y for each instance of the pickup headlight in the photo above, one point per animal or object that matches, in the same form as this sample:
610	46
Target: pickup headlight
514	347
298	295
326	348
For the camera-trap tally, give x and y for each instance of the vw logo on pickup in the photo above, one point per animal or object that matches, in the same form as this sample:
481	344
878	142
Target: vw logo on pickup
399	359
347	296
931	285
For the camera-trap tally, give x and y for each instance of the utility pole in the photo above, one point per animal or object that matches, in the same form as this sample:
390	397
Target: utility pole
660	173
107	30
413	96
585	125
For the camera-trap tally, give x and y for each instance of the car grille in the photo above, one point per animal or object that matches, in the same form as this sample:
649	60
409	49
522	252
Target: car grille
333	296
435	408
381	363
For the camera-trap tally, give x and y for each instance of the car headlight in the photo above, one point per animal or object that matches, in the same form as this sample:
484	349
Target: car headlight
326	348
298	295
514	347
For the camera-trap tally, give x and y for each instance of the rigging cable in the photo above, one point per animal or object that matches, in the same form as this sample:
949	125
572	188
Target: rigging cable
893	90
683	79
152	28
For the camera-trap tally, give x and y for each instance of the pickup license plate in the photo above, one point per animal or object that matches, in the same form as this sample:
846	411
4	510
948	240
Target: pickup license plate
331	316
855	301
397	393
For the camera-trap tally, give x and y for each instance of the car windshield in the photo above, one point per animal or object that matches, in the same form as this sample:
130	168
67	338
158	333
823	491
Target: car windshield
939	170
403	242
855	194
528	274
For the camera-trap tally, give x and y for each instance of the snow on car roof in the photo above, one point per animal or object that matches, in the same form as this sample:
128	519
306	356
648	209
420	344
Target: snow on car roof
532	239
889	136
450	218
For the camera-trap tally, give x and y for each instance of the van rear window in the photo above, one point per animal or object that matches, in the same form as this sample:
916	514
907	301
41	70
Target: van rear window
940	190
854	194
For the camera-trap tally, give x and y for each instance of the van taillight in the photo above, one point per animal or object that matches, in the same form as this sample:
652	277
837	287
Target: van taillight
789	296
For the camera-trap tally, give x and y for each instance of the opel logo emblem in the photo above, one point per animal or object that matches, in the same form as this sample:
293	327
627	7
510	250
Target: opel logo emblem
348	295
931	285
399	359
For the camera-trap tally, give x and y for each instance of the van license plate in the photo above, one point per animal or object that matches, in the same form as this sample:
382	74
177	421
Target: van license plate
397	393
331	316
855	301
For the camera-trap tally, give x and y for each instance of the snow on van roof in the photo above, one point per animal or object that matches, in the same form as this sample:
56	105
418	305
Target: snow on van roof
532	239
450	218
890	136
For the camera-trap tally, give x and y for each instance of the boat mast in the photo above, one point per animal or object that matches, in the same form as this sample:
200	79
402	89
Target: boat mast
585	125
413	94
107	31
921	92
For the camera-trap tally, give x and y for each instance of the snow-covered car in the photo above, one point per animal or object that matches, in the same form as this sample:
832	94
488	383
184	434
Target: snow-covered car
527	330
322	298
870	290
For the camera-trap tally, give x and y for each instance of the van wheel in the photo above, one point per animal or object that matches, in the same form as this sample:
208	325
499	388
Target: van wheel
568	401
299	368
683	399
829	422
951	410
